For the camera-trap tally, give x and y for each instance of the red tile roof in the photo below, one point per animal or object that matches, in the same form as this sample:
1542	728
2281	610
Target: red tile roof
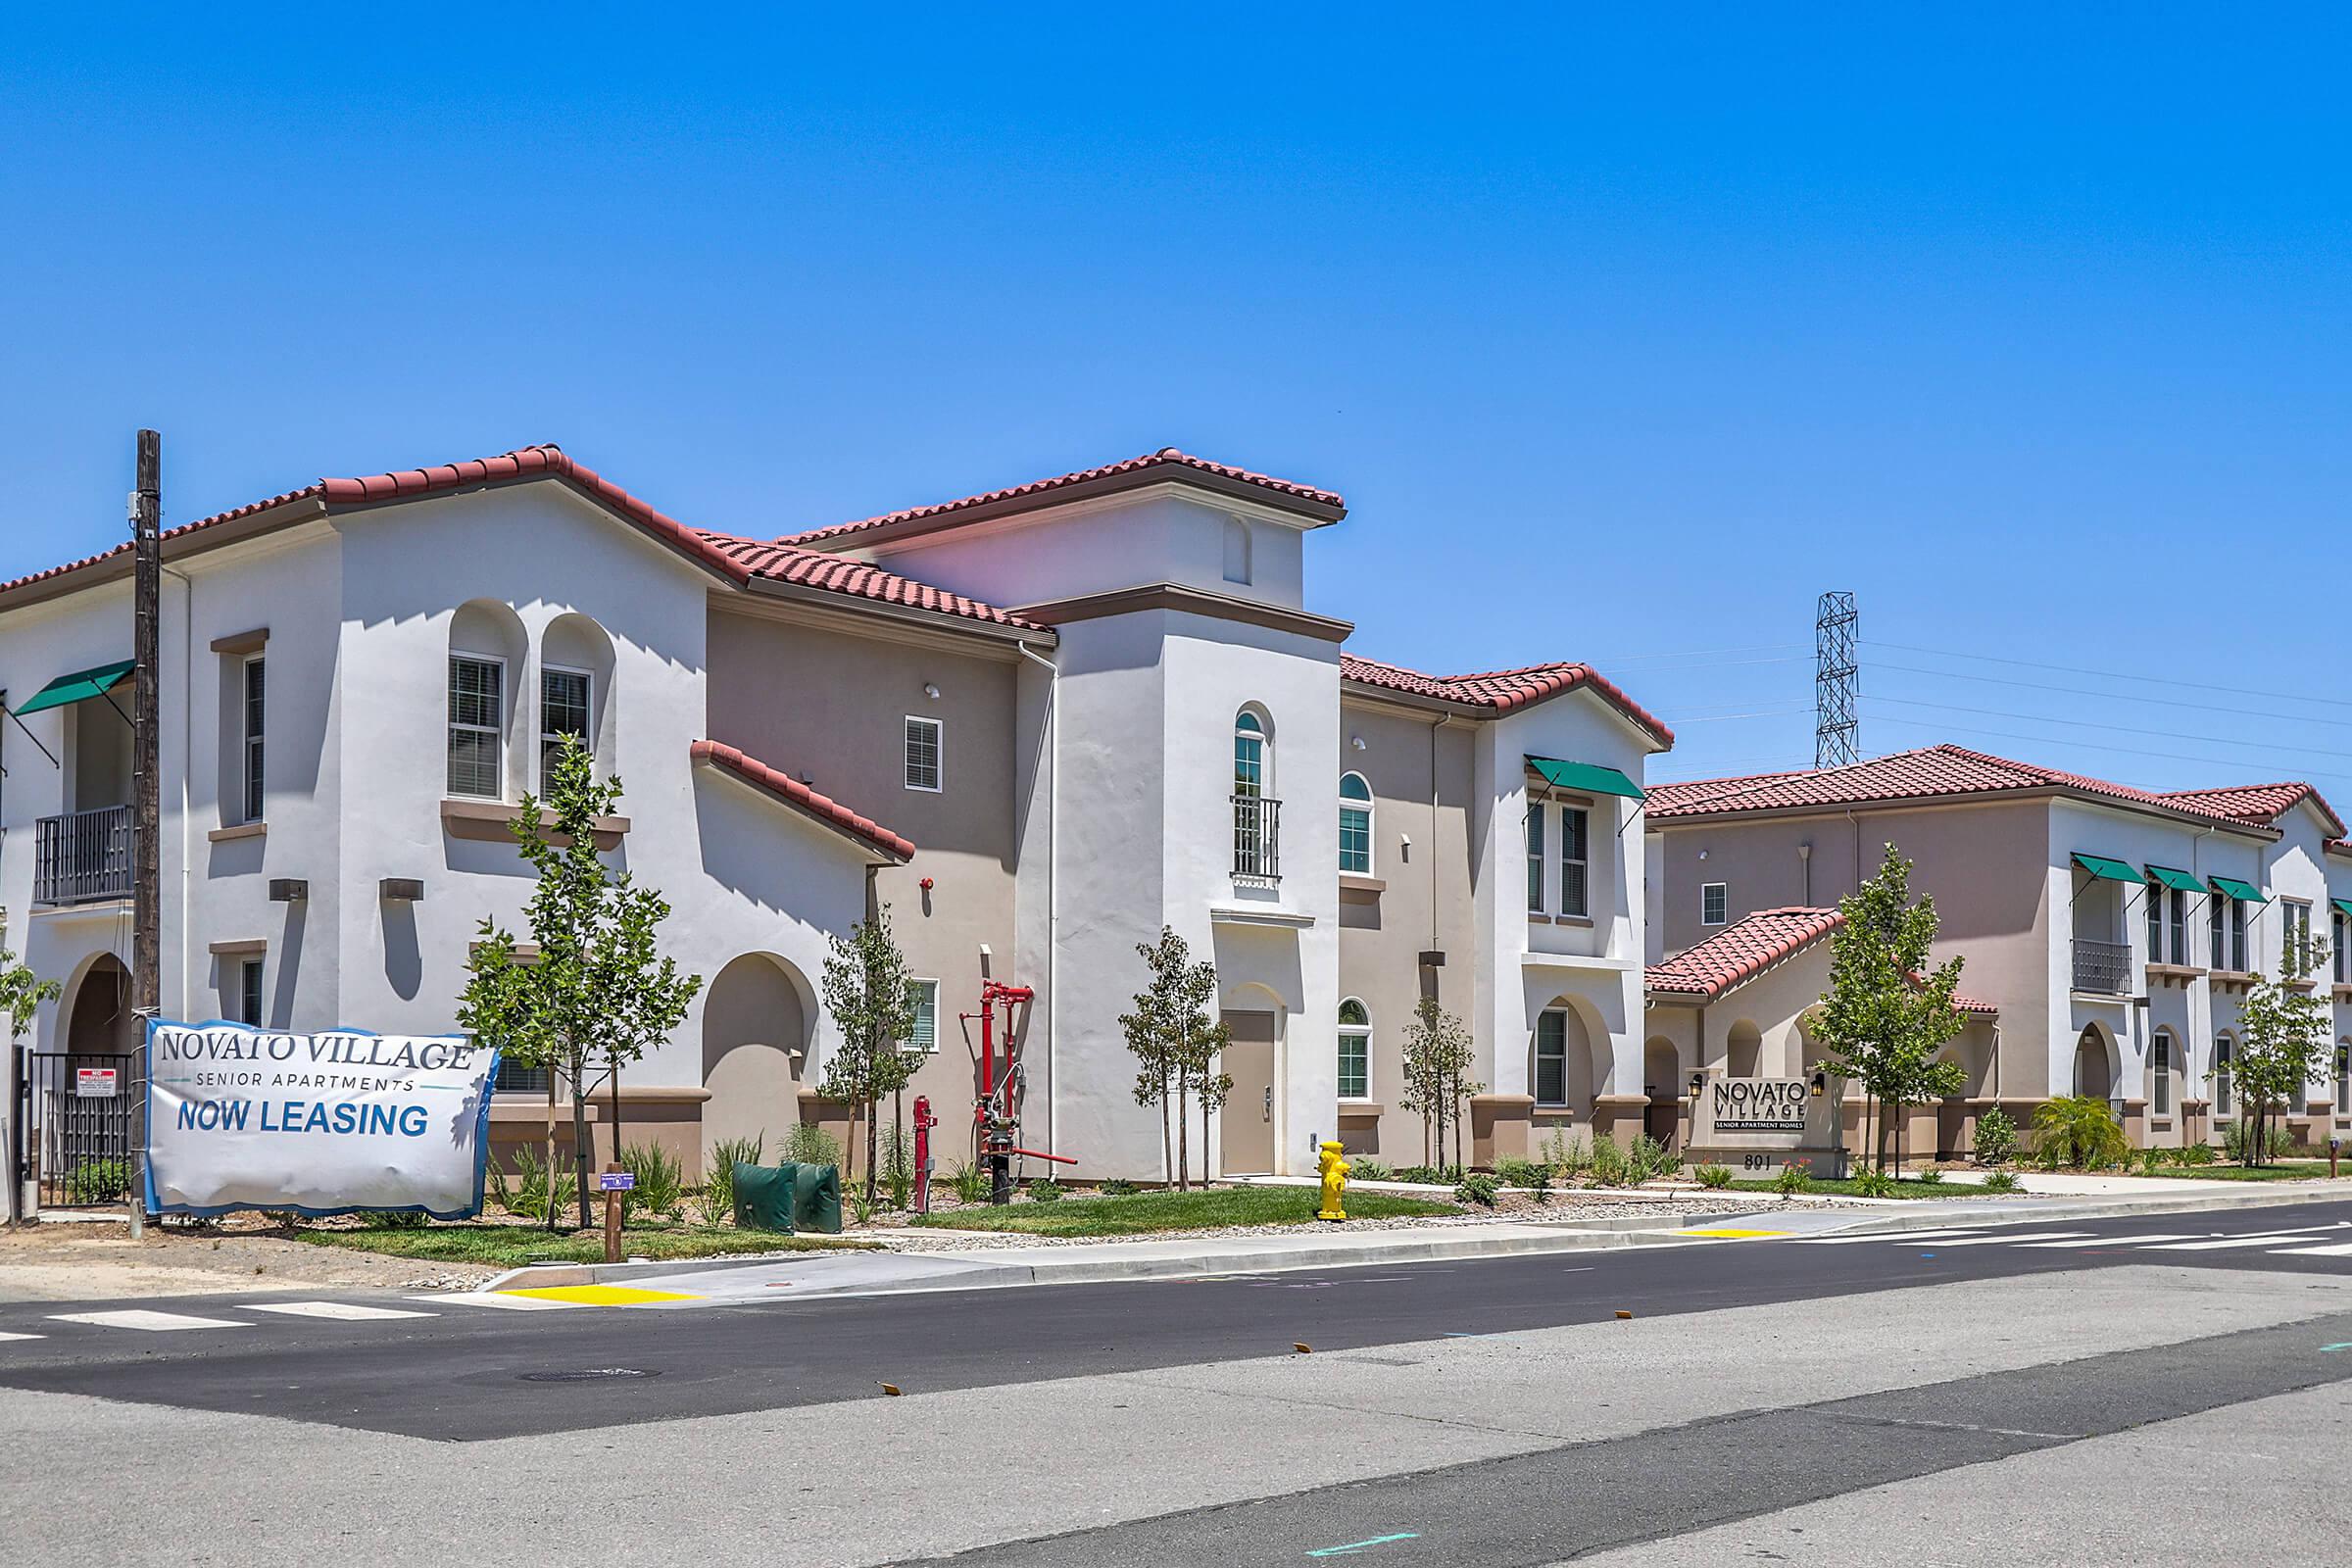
526	463
790	791
1166	456
2258	803
811	568
1926	773
1502	690
1751	944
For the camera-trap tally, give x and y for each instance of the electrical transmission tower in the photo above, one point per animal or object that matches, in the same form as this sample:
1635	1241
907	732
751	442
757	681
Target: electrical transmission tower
1837	678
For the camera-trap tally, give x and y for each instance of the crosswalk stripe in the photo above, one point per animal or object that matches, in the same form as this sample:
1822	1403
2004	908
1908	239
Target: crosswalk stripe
2118	1241
7	1336
499	1299
2226	1242
149	1321
2342	1249
344	1312
1996	1240
1901	1237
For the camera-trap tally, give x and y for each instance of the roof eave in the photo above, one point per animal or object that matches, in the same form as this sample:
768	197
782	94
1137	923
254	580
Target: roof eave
1315	514
802	593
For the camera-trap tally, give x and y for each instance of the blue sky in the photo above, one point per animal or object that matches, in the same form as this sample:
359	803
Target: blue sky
1624	336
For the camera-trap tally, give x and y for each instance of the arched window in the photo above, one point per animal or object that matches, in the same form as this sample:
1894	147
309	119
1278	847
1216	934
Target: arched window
1257	815
1356	1051
2160	1069
487	648
2223	1050
1355	824
2343	1080
1249	753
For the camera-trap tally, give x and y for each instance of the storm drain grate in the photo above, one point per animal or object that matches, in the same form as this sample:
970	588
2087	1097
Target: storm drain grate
587	1374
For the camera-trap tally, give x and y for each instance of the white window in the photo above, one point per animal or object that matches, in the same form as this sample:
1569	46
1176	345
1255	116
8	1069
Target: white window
2161	1066
2155	897
1257	815
1572	859
2215	908
255	794
478	718
1551	1057
925	740
922	999
2223	1050
249	991
1355	825
2295	932
1356	1051
1535	859
2343	1080
1714	904
564	697
2336	946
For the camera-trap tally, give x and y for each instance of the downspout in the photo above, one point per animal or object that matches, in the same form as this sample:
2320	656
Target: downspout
187	743
1443	720
1046	757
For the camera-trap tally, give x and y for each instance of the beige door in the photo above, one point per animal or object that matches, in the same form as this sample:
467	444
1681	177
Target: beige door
1246	1124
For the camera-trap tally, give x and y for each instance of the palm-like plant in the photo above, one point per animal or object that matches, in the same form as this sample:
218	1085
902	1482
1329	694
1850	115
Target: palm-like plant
2080	1131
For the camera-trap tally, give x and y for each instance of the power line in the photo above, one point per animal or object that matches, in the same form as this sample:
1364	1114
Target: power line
2111	674
2120	729
2119	697
2093	746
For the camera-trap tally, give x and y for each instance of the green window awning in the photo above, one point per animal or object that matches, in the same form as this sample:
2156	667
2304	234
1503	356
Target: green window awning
2179	881
2242	891
78	687
1590	777
2344	905
2100	866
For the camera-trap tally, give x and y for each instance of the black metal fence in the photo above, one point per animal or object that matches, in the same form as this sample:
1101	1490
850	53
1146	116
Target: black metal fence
82	856
82	1109
1257	838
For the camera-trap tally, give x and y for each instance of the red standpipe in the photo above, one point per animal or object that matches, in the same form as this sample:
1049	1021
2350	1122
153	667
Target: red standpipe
924	1121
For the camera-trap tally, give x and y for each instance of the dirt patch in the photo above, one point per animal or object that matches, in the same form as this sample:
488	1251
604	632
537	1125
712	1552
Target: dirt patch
90	1260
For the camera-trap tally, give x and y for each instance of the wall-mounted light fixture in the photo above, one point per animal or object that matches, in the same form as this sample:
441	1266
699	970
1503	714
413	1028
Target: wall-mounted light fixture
1821	1084
1356	740
931	690
1698	1084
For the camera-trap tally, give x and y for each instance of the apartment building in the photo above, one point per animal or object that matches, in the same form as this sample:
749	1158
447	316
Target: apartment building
2112	932
1037	724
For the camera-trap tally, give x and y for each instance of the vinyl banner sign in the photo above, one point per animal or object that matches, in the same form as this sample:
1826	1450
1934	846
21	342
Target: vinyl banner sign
239	1118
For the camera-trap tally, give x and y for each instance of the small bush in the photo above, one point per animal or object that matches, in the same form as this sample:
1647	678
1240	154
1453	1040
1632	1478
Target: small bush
2237	1139
1996	1138
1478	1187
1430	1175
1792	1180
660	1182
1713	1177
393	1219
1610	1167
1874	1184
1931	1174
897	1168
2151	1160
1044	1190
971	1183
1648	1157
2196	1155
528	1194
1569	1155
2080	1131
1364	1168
1530	1174
2000	1181
1118	1188
718	1175
99	1181
810	1145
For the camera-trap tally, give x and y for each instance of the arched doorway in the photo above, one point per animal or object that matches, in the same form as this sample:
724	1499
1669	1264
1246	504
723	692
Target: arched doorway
100	1019
1662	1080
2093	1075
755	1025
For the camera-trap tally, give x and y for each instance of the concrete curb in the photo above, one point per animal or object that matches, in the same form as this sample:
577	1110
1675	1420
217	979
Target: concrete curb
532	1276
1947	1216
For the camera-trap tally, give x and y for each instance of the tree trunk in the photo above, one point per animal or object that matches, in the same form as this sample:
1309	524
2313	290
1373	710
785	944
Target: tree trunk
874	1132
1184	1157
551	1152
1167	1141
579	1134
1204	1140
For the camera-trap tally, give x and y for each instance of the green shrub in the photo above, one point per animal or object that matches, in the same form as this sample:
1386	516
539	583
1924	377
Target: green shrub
1874	1184
1118	1188
2196	1155
2151	1160
1610	1167
1430	1175
1478	1187
862	1207
1931	1174
1792	1180
1364	1168
897	1168
2080	1131
1996	1138
718	1175
1530	1174
971	1183
2237	1139
1714	1176
2000	1181
1044	1190
393	1219
1648	1157
526	1194
1569	1155
810	1145
98	1181
660	1182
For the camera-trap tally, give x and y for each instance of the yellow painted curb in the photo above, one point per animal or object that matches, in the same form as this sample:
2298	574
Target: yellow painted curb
601	1294
1726	1234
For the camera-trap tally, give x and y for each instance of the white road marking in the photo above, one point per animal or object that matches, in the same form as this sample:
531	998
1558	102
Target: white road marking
1900	1238
142	1318
509	1303
1995	1240
2343	1250
2120	1241
2227	1242
6	1335
345	1312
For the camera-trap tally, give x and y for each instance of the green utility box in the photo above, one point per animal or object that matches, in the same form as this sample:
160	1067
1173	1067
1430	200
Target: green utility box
788	1198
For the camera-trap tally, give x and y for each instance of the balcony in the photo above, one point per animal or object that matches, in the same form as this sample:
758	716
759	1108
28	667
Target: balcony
1256	840
2102	968
82	856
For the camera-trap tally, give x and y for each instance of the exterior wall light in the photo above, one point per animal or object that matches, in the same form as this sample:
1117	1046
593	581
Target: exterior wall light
1698	1084
1821	1084
931	690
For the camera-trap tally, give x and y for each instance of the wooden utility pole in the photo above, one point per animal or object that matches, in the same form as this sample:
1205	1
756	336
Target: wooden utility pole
146	941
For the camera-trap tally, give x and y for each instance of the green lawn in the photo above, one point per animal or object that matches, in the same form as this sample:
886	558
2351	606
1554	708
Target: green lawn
2290	1171
1140	1214
512	1246
1906	1187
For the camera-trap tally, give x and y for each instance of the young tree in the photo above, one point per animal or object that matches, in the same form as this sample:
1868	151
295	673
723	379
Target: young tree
1438	1054
1885	1013
596	991
865	992
22	992
1176	1039
2284	1028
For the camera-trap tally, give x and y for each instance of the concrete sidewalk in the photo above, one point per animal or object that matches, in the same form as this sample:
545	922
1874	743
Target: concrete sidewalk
807	1274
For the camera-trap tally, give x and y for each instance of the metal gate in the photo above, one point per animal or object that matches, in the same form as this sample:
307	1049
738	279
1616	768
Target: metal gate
84	1116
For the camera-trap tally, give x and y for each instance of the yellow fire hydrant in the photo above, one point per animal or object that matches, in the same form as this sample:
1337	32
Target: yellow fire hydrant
1333	1169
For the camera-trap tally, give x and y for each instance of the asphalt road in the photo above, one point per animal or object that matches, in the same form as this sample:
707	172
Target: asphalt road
468	1374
